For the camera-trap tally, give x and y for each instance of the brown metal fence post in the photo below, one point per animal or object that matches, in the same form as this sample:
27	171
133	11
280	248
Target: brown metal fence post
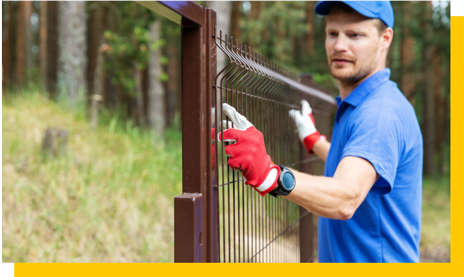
196	147
189	208
212	225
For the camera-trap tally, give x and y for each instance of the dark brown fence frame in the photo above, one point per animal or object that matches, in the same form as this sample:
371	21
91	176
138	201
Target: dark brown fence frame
195	212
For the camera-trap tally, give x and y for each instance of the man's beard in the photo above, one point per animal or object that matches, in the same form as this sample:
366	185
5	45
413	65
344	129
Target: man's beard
361	72
354	77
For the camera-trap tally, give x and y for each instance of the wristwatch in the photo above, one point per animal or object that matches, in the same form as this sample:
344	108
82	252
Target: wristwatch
285	182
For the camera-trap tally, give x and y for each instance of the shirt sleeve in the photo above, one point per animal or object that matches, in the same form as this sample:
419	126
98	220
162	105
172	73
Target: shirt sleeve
376	136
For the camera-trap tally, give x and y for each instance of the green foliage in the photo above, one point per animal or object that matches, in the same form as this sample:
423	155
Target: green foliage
275	29
128	47
126	54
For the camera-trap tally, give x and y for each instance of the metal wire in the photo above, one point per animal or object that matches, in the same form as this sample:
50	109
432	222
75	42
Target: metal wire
254	228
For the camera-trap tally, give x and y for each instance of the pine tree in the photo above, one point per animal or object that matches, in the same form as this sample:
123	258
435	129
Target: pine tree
156	94
52	48
236	15
428	124
72	41
310	25
23	43
43	41
408	85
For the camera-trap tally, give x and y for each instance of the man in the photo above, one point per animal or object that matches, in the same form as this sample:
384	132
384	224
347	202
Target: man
369	200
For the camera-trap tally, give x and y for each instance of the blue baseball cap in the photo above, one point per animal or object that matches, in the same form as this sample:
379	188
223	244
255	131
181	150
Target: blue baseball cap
374	9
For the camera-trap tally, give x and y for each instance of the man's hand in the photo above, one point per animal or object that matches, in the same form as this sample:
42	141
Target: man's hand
248	153
305	124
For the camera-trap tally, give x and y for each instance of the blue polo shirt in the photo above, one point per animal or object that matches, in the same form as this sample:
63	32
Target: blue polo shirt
377	123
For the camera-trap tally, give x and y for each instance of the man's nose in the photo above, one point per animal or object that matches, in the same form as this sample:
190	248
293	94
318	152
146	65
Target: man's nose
341	44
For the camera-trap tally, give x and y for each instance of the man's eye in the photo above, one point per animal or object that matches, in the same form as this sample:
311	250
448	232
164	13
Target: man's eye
332	34
355	35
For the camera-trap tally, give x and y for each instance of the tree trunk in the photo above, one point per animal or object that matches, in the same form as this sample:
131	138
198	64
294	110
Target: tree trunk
281	34
156	109
96	97
96	33
446	128
28	41
173	93
110	90
3	40
145	94
55	141
137	98
428	117
7	39
4	46
310	22
23	42
223	10
11	44
428	126
72	58
43	48
256	7
408	85
235	26
20	44
439	118
52	48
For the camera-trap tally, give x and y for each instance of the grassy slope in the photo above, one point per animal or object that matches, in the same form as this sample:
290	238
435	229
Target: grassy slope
110	199
435	235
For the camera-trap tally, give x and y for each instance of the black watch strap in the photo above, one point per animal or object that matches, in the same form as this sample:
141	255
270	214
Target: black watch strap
285	183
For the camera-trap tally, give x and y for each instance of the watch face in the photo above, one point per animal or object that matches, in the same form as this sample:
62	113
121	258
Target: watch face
288	181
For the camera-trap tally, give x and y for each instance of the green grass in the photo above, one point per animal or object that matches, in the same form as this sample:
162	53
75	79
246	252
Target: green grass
435	235
109	199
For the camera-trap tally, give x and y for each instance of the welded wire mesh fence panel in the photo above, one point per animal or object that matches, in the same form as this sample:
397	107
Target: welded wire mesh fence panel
252	228
218	217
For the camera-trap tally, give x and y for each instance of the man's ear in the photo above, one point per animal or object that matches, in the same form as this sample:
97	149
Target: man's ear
386	38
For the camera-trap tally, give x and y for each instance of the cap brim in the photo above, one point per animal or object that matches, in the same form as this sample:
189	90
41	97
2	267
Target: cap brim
323	8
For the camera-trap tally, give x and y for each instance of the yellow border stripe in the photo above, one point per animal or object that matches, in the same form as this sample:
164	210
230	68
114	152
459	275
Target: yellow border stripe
236	270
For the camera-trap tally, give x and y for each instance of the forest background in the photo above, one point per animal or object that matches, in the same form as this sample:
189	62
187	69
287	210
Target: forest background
114	67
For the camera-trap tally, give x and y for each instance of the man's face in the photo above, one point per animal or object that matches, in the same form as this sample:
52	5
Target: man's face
353	46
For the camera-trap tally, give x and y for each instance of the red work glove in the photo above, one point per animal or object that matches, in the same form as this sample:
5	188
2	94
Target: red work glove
306	126
248	153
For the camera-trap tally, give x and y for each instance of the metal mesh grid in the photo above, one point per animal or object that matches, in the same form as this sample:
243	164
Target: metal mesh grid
252	228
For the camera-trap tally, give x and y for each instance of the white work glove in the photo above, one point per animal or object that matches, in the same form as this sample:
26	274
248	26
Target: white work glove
305	125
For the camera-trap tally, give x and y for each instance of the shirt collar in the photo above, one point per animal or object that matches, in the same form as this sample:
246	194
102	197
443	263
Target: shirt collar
339	100
365	88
